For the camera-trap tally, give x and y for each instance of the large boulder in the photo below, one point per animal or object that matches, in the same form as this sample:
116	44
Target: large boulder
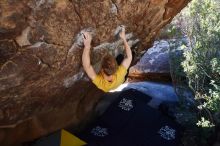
154	64
42	84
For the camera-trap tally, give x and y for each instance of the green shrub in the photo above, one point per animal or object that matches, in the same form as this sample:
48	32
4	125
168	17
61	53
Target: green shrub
200	64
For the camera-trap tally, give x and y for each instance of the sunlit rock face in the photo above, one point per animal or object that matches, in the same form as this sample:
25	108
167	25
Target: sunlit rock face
42	84
154	64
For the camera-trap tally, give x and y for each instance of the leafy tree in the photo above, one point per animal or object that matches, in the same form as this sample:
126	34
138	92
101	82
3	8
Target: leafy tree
200	64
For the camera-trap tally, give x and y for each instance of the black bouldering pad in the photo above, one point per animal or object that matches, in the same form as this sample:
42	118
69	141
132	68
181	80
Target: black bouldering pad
129	121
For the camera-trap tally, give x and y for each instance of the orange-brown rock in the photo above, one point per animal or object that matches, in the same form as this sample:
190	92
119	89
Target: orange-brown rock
42	84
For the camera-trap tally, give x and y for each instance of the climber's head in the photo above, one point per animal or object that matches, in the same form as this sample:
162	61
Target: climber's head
109	65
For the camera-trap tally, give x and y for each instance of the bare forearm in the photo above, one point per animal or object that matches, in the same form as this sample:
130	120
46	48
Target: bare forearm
86	57
127	49
127	60
87	64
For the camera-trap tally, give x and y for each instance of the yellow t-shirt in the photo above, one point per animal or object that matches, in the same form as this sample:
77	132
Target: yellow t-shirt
118	79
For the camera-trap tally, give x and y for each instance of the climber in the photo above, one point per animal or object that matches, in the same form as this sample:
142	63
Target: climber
111	75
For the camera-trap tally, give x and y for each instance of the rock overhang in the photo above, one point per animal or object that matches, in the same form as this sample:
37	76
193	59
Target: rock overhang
41	71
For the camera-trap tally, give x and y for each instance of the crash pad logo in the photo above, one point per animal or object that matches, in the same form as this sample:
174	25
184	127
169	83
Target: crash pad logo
167	133
99	131
125	104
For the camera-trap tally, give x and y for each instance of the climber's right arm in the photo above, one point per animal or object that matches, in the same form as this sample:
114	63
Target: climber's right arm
86	56
127	60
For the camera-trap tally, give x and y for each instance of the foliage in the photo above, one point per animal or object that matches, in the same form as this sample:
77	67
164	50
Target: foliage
200	63
204	123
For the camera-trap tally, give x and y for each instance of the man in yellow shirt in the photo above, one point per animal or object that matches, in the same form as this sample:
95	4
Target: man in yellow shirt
111	75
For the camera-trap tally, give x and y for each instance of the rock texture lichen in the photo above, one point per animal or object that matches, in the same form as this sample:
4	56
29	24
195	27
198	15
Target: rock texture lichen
154	64
42	84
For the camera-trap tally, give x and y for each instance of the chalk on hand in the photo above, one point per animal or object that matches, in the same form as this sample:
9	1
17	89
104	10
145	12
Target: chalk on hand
118	31
80	36
83	35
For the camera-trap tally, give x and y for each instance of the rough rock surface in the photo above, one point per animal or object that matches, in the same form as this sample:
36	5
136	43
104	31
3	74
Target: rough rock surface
42	84
154	64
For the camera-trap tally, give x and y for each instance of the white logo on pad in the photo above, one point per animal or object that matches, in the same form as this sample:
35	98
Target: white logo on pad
167	133
126	104
99	131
